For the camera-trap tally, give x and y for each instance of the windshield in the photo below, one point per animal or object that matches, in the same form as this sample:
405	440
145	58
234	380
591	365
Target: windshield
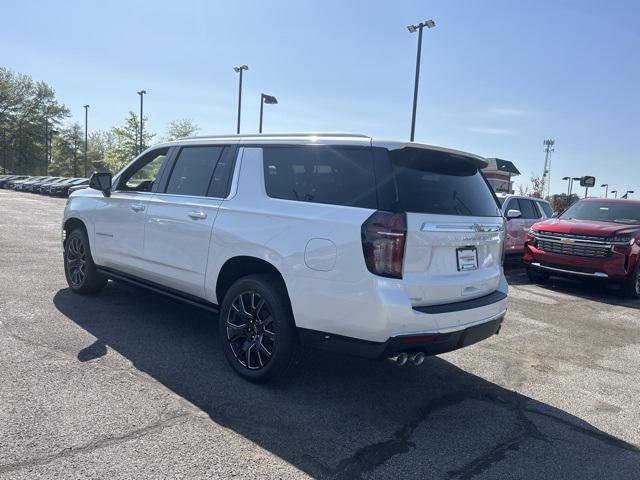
627	213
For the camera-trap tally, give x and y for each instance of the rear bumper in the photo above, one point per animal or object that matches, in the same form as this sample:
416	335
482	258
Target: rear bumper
430	343
617	267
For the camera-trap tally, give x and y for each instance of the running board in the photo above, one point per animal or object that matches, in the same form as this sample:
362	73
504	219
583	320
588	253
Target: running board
167	292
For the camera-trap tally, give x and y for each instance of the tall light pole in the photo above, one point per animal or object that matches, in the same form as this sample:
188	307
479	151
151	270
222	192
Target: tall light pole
4	150
546	174
141	93
606	192
626	194
615	192
569	185
86	138
268	99
239	70
413	28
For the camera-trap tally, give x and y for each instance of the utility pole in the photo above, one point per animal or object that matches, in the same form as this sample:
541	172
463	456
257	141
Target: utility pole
546	174
86	138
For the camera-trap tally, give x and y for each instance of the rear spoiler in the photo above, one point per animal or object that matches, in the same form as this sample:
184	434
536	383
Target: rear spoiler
476	160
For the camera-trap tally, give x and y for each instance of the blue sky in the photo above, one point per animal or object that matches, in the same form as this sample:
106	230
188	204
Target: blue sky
498	76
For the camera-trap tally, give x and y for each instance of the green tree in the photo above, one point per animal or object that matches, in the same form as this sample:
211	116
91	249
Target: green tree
126	144
67	152
180	129
29	112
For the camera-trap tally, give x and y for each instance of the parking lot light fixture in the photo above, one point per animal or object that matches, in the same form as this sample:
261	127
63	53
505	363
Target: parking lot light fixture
413	28
86	137
141	93
606	192
626	194
239	70
614	192
268	99
569	182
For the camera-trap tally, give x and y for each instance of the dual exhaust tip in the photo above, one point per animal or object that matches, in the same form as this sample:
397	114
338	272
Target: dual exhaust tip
404	358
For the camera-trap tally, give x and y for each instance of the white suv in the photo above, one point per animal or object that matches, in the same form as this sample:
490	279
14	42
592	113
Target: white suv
374	248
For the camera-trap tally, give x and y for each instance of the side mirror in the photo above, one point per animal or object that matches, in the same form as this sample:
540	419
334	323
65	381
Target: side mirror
101	181
513	213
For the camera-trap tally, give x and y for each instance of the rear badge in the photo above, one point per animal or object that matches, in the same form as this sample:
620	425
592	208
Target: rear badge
467	258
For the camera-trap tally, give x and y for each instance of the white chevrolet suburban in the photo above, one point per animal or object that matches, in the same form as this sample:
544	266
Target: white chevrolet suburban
337	241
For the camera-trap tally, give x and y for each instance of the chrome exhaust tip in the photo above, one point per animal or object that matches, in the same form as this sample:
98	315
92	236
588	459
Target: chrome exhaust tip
401	359
417	359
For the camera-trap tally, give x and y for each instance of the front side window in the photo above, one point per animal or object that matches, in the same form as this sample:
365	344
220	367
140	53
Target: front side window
546	208
320	174
430	181
528	209
193	169
143	174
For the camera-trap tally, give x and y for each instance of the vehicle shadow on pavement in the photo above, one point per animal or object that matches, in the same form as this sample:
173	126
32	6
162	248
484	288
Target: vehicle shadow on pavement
586	289
338	417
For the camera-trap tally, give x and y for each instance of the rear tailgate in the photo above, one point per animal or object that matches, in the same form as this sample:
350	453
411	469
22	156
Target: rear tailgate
455	229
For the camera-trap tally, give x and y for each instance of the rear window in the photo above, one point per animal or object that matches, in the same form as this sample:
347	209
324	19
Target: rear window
428	181
320	174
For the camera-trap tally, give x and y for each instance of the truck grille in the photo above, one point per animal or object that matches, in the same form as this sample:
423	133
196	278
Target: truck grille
577	245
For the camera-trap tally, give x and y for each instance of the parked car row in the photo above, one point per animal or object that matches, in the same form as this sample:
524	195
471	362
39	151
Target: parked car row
47	185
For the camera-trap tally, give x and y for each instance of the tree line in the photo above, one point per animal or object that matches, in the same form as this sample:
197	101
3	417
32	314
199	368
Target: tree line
38	137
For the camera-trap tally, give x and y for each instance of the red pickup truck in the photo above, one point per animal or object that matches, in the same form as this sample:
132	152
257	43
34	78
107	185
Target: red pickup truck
594	238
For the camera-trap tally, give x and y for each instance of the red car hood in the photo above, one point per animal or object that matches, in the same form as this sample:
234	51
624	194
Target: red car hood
585	227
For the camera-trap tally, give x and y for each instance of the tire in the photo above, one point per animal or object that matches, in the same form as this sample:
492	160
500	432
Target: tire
631	287
536	276
259	351
79	269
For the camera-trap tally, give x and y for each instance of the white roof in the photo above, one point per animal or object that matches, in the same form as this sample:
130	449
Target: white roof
325	138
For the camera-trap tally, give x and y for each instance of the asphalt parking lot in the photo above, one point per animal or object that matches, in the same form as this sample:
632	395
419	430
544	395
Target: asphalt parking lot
128	384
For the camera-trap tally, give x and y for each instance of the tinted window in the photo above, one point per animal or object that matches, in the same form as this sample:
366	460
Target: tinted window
192	171
616	212
546	208
513	205
223	173
528	209
333	175
429	181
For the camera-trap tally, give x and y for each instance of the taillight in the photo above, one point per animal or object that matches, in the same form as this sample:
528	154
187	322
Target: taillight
384	235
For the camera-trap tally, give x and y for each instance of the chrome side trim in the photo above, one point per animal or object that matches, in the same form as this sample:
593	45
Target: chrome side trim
462	227
572	272
455	328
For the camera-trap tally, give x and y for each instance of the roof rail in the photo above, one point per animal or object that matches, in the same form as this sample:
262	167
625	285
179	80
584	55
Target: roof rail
280	135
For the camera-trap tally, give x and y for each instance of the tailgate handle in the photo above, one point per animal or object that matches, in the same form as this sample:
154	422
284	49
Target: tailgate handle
462	227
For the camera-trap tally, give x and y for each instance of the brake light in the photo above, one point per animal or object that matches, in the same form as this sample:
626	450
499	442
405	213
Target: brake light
384	235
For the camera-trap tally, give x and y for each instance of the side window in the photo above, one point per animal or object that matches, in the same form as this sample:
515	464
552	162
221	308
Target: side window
141	176
512	205
546	208
528	209
221	183
319	174
192	170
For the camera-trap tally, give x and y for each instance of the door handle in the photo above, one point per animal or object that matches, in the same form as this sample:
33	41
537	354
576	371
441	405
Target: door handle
137	207
197	215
